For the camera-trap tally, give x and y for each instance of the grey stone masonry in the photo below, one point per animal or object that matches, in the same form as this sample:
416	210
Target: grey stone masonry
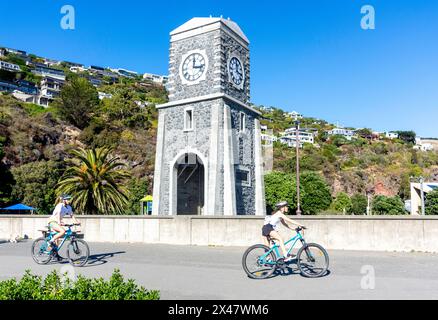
208	137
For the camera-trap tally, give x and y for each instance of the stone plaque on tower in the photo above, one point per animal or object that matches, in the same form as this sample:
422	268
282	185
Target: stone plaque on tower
208	157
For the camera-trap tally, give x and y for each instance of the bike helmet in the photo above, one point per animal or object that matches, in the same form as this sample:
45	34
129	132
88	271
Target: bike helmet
65	197
281	204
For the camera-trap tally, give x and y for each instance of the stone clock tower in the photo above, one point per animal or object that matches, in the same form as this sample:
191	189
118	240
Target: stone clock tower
208	159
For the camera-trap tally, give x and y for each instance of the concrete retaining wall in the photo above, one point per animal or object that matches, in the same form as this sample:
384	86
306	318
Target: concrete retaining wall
380	233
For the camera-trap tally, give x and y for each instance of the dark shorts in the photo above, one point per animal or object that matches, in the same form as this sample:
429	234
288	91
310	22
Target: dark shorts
266	230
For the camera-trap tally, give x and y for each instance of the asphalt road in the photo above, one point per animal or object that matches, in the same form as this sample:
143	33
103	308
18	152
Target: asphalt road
197	272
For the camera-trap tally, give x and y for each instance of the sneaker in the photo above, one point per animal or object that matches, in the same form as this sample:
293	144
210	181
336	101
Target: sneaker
289	258
52	245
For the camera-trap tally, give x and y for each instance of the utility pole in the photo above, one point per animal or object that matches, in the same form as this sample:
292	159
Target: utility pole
297	145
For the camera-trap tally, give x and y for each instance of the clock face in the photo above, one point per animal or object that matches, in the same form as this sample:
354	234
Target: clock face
236	71
193	67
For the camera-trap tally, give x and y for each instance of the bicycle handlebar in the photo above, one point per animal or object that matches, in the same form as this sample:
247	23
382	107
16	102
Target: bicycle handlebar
72	224
300	228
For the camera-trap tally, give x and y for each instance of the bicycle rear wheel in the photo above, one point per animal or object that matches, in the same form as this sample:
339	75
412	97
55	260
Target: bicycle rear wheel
39	251
257	263
312	260
78	252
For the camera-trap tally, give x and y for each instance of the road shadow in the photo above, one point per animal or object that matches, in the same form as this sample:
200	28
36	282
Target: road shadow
290	269
94	260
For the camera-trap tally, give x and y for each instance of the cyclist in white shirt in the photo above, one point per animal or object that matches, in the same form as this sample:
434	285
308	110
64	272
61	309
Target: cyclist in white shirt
61	210
270	227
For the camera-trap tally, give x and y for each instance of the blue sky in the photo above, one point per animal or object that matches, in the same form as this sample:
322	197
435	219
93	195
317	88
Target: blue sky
309	56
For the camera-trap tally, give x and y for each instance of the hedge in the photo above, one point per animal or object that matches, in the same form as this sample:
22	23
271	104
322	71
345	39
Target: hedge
57	287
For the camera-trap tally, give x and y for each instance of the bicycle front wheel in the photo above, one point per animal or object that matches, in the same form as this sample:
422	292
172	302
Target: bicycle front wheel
312	260
78	252
258	262
39	252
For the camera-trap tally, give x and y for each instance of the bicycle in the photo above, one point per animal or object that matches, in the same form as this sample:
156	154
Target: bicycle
312	259
77	249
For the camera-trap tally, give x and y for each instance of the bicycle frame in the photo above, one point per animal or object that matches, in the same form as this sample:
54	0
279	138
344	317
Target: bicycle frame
66	236
275	248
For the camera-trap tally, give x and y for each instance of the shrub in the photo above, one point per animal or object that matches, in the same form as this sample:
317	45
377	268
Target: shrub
431	203
280	187
315	193
54	287
342	203
358	204
388	205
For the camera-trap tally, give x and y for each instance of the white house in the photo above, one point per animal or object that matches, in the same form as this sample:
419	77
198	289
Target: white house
391	135
267	138
25	97
305	135
44	71
103	95
294	115
125	73
422	146
155	78
9	66
347	133
77	69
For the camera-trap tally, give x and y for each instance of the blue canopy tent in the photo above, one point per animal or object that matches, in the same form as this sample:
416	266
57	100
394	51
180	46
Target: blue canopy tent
18	208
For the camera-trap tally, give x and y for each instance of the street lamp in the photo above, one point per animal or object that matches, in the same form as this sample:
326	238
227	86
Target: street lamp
297	147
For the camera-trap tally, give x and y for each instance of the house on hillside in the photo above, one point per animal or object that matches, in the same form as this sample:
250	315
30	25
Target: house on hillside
19	53
422	146
125	73
294	115
155	78
305	135
103	95
347	133
391	135
266	135
50	88
7	86
11	67
44	71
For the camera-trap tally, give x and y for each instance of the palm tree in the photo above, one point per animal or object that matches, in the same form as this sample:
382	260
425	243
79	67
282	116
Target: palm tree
96	181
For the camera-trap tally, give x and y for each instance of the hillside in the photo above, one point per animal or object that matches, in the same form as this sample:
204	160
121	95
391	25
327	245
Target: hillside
381	165
34	141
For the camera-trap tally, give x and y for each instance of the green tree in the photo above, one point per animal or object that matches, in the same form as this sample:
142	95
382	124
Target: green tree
315	192
407	136
77	102
138	189
7	180
359	204
280	186
431	203
96	182
123	110
364	133
339	140
342	203
383	205
35	184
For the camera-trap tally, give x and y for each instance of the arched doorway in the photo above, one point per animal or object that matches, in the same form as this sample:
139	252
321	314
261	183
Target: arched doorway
190	185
